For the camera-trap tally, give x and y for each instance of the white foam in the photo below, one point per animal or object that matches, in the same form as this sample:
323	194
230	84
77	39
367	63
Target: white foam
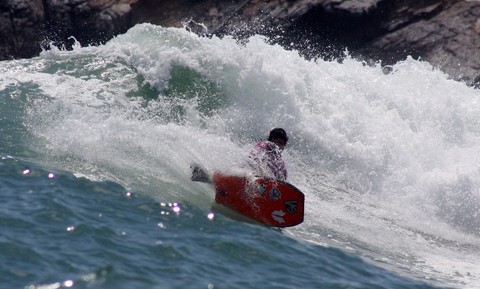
389	162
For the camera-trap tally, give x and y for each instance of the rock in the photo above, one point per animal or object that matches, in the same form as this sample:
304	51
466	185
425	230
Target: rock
445	33
20	28
29	25
446	38
89	22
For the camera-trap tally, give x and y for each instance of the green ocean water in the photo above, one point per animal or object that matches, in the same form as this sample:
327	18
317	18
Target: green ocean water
96	145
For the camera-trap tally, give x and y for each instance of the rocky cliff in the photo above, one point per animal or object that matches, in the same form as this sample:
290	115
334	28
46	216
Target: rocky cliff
445	33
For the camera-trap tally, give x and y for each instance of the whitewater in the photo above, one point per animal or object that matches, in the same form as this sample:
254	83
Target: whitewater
387	157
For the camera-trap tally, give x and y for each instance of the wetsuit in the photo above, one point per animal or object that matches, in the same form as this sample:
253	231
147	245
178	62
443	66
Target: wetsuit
266	160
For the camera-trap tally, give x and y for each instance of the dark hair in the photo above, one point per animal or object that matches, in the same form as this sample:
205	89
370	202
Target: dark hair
278	133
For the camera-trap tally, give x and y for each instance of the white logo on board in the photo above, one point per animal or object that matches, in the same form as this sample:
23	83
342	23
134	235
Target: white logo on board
277	216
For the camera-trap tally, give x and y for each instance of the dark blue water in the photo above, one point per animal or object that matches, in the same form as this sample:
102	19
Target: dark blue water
62	231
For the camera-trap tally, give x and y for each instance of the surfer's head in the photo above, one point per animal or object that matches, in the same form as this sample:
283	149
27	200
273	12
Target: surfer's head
279	137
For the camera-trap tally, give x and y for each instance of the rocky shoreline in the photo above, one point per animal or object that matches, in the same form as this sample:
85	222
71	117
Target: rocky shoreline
446	33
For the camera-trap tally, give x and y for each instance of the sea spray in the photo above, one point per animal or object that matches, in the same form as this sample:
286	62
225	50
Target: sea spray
388	161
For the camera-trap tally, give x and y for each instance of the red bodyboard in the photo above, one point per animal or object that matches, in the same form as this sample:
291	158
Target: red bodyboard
266	201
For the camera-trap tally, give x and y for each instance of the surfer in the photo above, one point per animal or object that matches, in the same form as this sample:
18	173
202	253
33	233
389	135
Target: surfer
266	157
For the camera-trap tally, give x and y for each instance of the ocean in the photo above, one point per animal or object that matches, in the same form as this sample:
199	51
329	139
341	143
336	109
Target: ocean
96	146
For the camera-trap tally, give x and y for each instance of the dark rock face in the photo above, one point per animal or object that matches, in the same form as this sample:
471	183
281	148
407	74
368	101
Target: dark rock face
445	33
28	25
90	22
20	27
